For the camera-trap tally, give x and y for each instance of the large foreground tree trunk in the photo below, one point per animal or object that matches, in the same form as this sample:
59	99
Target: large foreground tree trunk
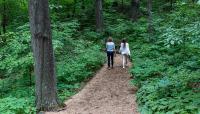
46	90
135	4
99	15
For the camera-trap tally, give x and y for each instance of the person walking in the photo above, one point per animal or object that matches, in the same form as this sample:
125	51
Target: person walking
110	48
125	52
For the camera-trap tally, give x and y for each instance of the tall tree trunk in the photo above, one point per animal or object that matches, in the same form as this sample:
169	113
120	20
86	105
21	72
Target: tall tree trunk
115	3
121	5
46	90
150	25
74	8
135	4
82	4
4	17
99	15
171	4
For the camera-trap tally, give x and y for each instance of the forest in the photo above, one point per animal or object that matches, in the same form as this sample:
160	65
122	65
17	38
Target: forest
163	35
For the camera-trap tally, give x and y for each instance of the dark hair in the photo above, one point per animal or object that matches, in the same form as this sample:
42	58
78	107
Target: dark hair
110	39
124	42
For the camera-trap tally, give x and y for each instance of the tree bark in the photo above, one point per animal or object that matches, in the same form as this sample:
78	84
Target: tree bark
74	8
115	4
122	5
171	4
4	17
82	4
46	90
135	4
99	15
150	25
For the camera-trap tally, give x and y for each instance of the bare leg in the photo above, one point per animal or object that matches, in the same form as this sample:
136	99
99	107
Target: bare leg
126	57
123	60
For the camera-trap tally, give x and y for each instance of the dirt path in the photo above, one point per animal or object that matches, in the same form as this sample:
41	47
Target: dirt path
108	92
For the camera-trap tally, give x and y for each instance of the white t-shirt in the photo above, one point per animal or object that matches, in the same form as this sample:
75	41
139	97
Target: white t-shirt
125	50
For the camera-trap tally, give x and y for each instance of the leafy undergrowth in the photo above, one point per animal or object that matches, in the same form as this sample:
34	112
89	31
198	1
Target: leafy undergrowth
166	84
76	61
167	69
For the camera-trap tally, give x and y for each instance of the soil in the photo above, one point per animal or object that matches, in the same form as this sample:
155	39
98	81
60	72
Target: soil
108	92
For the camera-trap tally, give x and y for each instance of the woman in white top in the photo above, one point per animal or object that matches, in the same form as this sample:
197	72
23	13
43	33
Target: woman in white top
124	49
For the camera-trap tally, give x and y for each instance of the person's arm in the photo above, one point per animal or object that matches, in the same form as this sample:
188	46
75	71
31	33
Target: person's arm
129	53
120	49
114	49
114	46
106	46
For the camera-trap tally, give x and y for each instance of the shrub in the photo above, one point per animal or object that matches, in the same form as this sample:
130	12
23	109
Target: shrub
13	105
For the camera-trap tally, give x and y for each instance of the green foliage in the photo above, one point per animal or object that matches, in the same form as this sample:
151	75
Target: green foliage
88	34
163	87
19	57
76	61
16	105
167	71
121	28
15	10
144	71
80	67
170	95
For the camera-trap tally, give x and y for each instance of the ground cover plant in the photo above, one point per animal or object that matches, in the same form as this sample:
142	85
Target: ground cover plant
167	70
164	38
72	67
